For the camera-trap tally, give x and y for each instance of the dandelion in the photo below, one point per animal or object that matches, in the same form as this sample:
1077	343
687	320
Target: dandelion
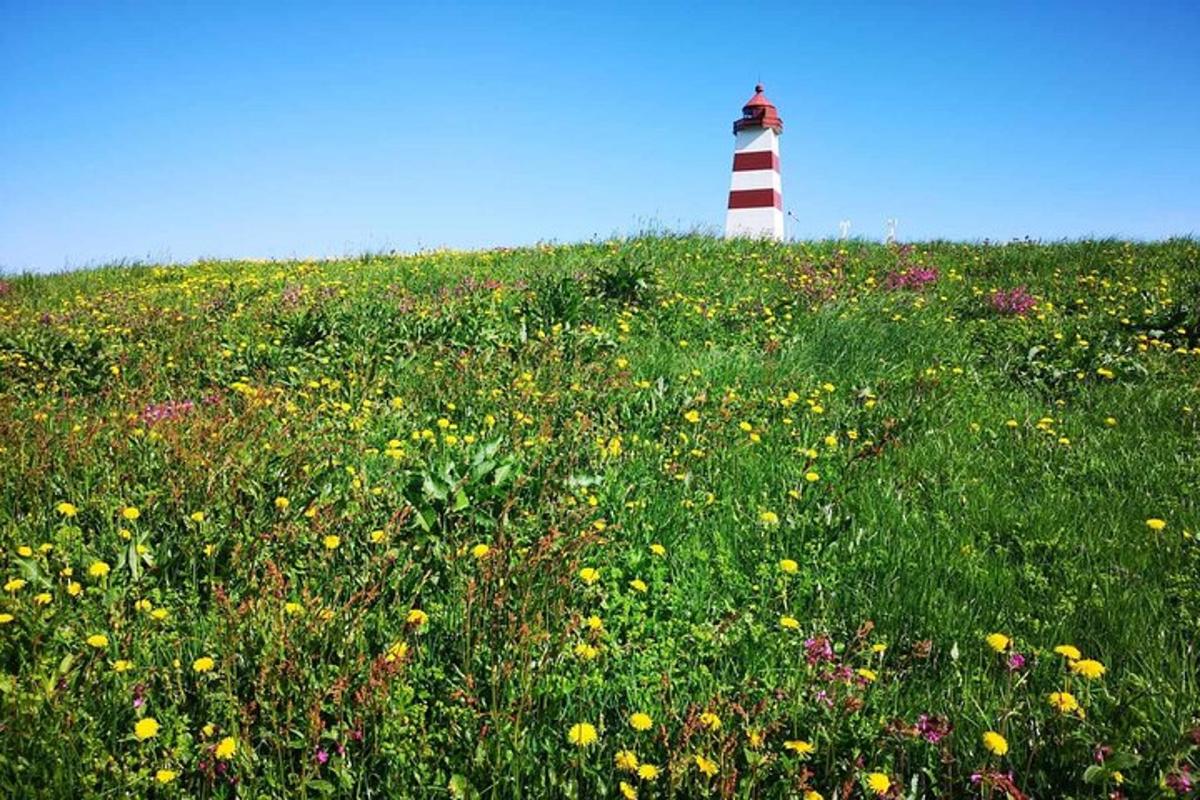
647	772
589	575
626	760
282	503
800	747
226	748
867	675
638	585
586	652
479	551
879	783
97	640
582	734
203	664
377	536
331	542
1155	524
130	513
1063	702
196	516
768	518
42	598
998	642
66	509
788	566
640	721
813	795
789	623
146	728
692	416
1088	668
878	648
627	791
74	588
995	743
658	549
705	765
121	665
6	618
812	476
1071	652
99	569
710	721
293	609
417	618
165	775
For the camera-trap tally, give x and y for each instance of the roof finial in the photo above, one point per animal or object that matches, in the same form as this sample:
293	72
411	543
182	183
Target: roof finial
758	87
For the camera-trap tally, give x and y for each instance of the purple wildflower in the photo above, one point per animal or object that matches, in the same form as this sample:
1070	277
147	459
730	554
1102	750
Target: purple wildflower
1012	303
1016	662
169	410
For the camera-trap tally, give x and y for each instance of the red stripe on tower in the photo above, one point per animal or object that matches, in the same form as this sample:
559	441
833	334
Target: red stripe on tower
755	198
759	159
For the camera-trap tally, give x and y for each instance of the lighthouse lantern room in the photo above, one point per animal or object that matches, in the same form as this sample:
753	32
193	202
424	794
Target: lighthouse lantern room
756	193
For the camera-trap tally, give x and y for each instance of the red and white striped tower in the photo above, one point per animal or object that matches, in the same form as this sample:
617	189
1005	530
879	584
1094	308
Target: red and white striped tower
756	193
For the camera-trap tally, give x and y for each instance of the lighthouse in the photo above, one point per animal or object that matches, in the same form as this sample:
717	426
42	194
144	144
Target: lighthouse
756	193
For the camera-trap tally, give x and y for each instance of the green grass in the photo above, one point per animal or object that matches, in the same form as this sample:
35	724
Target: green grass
938	470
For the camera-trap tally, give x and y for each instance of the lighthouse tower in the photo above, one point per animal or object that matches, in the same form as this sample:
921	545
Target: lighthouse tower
756	193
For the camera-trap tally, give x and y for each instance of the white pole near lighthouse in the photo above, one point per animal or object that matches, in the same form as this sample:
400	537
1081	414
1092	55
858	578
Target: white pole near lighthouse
756	192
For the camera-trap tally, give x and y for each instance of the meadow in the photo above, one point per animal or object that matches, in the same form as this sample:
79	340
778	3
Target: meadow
658	517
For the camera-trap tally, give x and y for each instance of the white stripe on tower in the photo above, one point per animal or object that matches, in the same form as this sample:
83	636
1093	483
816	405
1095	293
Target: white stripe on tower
755	206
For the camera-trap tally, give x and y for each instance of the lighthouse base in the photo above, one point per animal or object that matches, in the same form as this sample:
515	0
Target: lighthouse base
754	223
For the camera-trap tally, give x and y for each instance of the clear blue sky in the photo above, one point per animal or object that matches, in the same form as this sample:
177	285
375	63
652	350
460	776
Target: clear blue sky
176	130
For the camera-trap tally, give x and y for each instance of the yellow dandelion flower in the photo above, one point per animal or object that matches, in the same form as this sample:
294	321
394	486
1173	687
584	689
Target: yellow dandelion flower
812	476
638	585
705	765
226	748
146	728
99	569
658	549
1070	651
998	642
627	791
480	551
6	618
42	598
203	664
640	721
812	794
800	747
768	518
74	588
282	503
130	513
867	675
165	775
417	617
626	760
121	665
710	721
692	416
1063	702
1155	524
582	734
647	772
97	640
1088	668
331	542
879	783
589	575
788	566
995	743
66	509
789	623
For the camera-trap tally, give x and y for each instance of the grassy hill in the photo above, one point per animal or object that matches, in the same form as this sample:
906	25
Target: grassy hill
759	520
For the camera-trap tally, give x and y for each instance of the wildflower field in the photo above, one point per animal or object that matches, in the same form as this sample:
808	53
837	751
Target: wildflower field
664	517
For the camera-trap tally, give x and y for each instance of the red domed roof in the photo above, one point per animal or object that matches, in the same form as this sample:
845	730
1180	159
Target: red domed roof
759	112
